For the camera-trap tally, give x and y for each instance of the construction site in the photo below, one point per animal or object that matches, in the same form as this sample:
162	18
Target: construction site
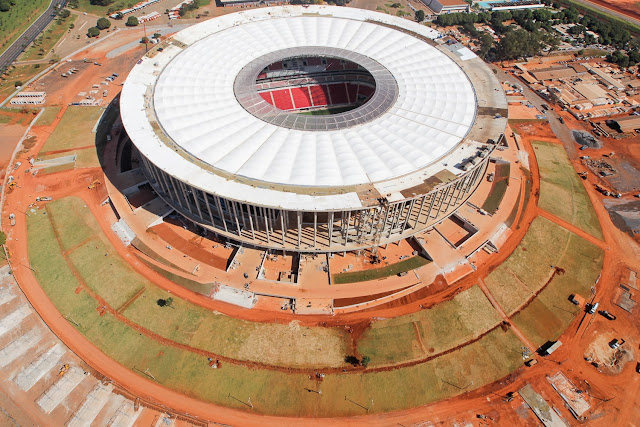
501	290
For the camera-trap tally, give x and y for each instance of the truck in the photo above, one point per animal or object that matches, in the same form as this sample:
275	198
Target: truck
607	315
12	218
593	307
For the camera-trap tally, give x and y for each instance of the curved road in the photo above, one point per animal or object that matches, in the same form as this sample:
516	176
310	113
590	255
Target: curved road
30	34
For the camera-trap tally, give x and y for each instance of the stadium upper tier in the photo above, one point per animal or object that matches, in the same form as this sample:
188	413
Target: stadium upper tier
426	115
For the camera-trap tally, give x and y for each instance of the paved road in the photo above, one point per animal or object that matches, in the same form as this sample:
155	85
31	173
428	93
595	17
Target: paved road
12	53
609	11
560	130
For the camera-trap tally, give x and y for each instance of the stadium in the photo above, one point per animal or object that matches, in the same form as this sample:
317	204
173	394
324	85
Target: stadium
313	129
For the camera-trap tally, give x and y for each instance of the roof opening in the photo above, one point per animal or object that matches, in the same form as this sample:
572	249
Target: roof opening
315	85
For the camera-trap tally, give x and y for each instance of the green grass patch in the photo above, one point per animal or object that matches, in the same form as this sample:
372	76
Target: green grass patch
529	268
498	188
48	117
379	273
442	327
326	111
74	130
42	45
561	191
192	285
15	21
279	393
20	73
520	121
547	317
73	220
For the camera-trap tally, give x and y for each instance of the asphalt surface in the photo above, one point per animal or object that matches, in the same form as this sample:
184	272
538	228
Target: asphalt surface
12	53
560	130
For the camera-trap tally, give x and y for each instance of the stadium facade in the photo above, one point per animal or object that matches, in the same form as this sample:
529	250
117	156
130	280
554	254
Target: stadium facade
314	129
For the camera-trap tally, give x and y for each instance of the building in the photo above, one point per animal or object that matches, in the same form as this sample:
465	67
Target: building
447	6
224	121
29	98
511	5
628	123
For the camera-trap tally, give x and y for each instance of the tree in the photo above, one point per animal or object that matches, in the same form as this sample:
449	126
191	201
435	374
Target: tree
93	32
419	15
64	13
101	2
144	40
156	35
352	360
4	5
17	83
103	23
365	361
132	21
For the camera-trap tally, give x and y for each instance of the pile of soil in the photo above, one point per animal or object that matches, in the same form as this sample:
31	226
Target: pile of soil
585	138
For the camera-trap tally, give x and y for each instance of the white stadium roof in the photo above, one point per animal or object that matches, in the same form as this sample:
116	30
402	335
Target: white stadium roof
180	109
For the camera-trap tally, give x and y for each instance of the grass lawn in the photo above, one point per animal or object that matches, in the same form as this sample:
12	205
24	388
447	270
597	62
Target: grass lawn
17	19
551	312
498	188
561	190
20	73
192	285
441	327
379	273
325	112
72	229
529	268
288	345
48	39
74	130
48	116
490	358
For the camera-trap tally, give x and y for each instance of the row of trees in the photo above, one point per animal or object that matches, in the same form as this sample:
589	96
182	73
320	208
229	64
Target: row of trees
6	5
102	24
536	31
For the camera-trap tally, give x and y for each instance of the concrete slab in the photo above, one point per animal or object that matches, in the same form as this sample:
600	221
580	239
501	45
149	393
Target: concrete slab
165	421
18	347
123	231
6	295
125	415
61	389
91	406
541	408
234	296
13	319
39	367
570	394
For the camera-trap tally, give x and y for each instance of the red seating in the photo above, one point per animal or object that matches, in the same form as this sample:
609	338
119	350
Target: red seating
365	90
267	97
282	99
314	61
301	97
319	95
275	66
352	92
338	93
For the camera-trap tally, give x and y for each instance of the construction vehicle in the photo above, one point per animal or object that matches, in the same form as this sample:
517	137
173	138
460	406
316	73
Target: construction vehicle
43	199
603	190
12	184
582	175
63	370
94	184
